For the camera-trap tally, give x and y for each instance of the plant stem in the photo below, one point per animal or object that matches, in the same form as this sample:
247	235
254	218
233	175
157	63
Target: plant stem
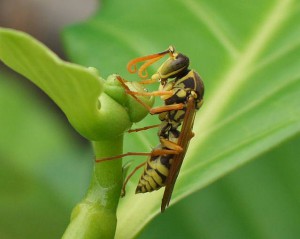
95	216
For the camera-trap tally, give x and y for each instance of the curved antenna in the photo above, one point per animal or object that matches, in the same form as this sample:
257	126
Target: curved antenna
142	72
131	66
149	60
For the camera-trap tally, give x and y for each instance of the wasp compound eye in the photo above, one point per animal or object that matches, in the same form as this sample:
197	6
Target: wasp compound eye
181	62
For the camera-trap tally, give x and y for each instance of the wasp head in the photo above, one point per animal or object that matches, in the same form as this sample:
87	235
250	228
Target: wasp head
174	66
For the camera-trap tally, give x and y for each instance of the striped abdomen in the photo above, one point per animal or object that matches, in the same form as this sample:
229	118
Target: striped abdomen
155	173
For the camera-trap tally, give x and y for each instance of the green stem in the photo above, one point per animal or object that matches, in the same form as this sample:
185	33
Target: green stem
95	216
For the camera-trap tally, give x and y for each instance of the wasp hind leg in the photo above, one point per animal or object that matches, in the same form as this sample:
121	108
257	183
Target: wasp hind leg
121	156
123	191
143	128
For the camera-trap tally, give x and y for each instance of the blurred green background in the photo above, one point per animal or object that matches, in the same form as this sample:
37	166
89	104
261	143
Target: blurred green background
45	166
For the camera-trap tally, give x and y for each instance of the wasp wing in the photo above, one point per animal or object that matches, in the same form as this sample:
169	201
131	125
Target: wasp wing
184	139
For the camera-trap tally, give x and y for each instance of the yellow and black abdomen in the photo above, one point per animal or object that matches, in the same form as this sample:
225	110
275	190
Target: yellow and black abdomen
155	173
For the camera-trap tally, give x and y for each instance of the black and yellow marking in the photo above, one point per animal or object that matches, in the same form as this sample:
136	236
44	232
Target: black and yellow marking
155	173
186	86
182	91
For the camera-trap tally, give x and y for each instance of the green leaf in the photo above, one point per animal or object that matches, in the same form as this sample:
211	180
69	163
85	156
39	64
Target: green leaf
98	110
248	57
44	169
75	89
260	200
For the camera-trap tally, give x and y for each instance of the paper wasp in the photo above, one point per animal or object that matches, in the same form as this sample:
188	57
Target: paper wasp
182	91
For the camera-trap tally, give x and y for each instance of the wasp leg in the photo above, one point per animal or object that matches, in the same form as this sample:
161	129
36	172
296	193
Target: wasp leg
153	93
171	145
144	128
160	109
155	152
121	156
158	152
155	110
123	192
122	81
149	81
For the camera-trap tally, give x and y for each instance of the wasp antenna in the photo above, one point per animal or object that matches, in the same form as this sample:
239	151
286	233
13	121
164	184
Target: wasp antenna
142	70
131	66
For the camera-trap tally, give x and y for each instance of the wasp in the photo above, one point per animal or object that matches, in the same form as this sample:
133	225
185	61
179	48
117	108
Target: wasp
182	91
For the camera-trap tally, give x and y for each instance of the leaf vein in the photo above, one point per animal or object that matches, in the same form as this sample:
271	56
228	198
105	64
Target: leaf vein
239	72
203	15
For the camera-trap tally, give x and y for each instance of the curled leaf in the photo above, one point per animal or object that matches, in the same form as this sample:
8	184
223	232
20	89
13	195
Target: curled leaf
78	91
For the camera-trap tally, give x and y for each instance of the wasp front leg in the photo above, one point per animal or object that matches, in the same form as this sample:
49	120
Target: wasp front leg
155	110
